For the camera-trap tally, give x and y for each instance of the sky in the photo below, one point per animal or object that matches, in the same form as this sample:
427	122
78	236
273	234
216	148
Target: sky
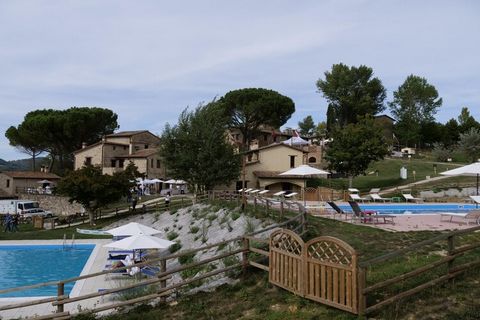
149	60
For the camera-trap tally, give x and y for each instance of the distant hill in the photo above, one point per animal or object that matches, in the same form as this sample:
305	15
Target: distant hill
20	165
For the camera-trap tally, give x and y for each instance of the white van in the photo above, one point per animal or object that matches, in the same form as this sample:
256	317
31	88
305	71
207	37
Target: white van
25	208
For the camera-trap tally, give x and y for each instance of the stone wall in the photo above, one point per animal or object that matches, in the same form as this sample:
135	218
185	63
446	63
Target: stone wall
448	194
57	205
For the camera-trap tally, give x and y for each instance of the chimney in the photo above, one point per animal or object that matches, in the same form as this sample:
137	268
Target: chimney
84	145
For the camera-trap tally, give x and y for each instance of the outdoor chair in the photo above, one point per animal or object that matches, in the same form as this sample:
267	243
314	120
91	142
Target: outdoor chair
337	209
356	197
471	217
475	199
408	197
366	216
377	197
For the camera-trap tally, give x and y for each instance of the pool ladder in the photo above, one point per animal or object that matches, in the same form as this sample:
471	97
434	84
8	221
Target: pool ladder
65	244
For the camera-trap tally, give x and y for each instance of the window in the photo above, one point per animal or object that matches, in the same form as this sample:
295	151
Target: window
112	163
88	161
137	148
114	147
120	163
8	183
292	161
265	137
124	147
146	146
312	160
158	163
151	163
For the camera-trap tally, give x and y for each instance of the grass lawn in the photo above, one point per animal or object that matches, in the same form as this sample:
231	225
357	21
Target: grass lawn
389	175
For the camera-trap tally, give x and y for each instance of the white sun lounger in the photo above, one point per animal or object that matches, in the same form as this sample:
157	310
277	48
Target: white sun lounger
377	197
356	197
408	197
472	216
353	190
291	195
278	194
264	191
254	191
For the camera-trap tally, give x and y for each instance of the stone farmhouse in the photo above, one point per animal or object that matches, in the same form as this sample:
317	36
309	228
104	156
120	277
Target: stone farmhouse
115	151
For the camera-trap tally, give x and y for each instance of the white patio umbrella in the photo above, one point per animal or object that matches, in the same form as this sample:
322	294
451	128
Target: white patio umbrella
44	181
141	241
304	171
132	229
156	180
171	181
472	170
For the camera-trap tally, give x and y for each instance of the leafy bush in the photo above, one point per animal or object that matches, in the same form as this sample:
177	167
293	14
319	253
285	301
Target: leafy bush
194	229
249	226
187	258
175	247
211	217
236	215
172	235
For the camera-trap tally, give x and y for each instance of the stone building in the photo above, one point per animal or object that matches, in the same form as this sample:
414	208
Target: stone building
13	182
115	151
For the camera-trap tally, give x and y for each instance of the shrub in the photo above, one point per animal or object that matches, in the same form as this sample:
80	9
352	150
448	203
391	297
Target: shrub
249	226
175	247
211	217
194	229
236	215
172	235
187	258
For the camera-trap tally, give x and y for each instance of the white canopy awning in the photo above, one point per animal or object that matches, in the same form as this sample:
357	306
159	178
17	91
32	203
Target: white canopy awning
131	229
140	242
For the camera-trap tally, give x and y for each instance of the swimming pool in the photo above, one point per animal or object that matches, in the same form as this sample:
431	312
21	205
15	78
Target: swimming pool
415	208
23	265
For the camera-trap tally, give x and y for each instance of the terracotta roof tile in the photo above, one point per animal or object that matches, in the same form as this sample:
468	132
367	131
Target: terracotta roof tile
31	175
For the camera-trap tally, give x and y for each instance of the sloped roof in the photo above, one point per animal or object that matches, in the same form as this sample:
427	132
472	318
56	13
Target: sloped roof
140	154
275	175
126	133
100	143
31	175
273	145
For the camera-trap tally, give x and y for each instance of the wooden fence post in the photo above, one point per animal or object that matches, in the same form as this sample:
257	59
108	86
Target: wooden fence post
116	211
254	203
246	247
144	209
451	248
267	206
361	298
60	292
281	209
163	283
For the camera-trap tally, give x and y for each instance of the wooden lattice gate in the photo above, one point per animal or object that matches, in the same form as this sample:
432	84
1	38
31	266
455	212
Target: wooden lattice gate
324	269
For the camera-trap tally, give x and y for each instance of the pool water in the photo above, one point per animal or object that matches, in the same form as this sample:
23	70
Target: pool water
414	208
23	265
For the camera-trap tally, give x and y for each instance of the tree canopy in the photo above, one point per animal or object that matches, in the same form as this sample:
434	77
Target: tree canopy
248	109
470	144
60	132
197	151
94	190
306	126
355	146
414	105
351	92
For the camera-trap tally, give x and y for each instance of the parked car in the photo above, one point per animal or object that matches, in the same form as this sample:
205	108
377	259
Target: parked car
29	214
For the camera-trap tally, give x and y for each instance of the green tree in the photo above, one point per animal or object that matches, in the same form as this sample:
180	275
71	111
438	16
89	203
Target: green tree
321	129
307	126
351	93
24	140
451	133
414	104
248	109
469	143
196	149
355	146
466	121
94	190
60	132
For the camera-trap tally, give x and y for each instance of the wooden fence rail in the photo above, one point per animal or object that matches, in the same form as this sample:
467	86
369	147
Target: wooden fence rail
451	271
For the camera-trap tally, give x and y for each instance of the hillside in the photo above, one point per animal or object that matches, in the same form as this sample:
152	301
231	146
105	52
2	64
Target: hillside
20	165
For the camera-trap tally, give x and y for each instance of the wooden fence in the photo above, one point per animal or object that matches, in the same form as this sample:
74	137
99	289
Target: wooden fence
243	245
453	269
